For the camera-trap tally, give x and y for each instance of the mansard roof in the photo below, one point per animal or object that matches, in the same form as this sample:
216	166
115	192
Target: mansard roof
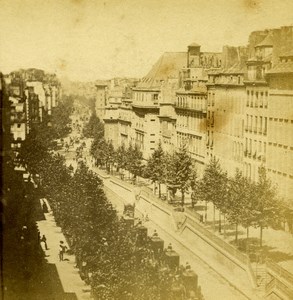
282	68
167	67
266	42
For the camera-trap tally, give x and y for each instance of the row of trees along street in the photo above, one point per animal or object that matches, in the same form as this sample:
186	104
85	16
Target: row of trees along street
106	250
24	270
239	200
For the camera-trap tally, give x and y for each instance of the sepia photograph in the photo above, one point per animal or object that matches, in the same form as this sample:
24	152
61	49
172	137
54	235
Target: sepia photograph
146	149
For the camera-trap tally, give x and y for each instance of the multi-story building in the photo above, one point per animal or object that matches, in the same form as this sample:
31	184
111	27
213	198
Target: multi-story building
191	102
225	110
147	100
118	111
113	102
101	98
18	117
235	105
256	108
279	154
5	118
32	94
167	116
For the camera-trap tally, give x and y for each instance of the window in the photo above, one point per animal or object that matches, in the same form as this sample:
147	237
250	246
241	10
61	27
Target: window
260	124
18	125
265	126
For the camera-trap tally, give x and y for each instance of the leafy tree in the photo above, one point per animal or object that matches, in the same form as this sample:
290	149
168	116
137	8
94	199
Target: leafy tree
213	185
194	185
94	128
109	155
120	157
156	166
60	119
238	208
134	161
98	150
180	170
33	151
266	204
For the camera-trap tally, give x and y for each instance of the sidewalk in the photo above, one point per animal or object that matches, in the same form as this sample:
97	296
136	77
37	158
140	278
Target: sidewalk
69	276
207	276
277	243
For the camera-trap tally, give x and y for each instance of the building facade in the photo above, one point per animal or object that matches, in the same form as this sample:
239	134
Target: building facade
32	95
101	98
235	105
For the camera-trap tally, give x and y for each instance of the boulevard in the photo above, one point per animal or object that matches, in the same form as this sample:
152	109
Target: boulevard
118	196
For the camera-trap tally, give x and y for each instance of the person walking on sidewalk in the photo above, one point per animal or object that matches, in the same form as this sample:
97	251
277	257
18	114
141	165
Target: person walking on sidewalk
44	240
62	250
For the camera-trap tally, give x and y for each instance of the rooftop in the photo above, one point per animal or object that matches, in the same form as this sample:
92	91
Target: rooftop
287	54
237	68
167	67
282	67
194	45
267	42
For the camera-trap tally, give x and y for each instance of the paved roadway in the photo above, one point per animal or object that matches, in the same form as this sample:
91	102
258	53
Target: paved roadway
213	285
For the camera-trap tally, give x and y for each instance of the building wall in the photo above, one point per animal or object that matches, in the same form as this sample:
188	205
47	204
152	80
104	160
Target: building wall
256	129
225	125
145	123
111	131
191	124
222	105
100	103
280	140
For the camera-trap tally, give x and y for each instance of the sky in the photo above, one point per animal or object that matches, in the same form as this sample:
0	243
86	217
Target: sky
86	40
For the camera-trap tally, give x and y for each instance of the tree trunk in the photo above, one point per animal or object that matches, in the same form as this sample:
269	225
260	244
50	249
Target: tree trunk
220	224
247	239
206	211
159	189
214	218
260	238
182	197
236	233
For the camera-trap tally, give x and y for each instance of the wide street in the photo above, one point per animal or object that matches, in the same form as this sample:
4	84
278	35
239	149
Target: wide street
221	288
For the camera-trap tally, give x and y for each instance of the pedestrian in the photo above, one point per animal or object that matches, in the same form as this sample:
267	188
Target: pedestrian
44	240
62	250
169	248
45	207
187	266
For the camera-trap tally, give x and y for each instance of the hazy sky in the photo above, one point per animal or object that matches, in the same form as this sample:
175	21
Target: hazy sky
92	39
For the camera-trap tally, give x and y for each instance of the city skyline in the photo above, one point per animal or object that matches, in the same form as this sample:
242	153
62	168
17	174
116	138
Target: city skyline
89	40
